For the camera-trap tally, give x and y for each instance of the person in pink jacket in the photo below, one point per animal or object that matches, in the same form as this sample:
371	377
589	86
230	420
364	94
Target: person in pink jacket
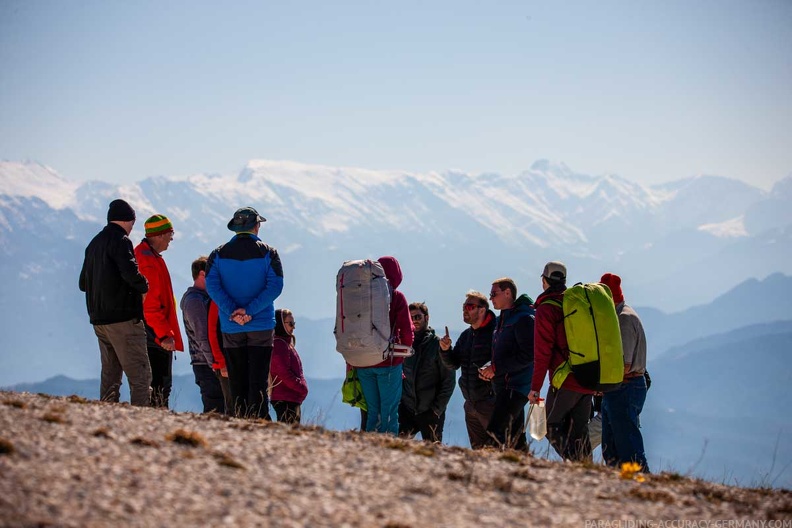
287	381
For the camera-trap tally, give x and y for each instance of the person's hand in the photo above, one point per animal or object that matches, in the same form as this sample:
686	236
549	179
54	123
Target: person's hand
445	341
533	397
240	317
168	344
224	372
143	295
486	373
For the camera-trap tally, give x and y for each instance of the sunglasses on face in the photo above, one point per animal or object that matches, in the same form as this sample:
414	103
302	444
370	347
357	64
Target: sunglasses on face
494	294
471	306
290	323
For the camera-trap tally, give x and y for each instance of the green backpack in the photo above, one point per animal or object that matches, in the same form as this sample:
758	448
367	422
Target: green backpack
592	331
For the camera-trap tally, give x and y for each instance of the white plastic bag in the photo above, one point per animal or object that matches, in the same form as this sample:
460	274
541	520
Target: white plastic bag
537	420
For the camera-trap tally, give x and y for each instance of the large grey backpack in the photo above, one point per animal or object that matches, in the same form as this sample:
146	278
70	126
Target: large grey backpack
362	328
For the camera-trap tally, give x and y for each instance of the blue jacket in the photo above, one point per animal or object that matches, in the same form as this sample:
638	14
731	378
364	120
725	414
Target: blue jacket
245	273
512	346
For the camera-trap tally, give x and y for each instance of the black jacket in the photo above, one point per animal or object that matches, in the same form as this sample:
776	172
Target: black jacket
472	350
111	279
427	383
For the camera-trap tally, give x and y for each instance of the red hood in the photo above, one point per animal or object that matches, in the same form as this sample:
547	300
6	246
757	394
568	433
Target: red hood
392	270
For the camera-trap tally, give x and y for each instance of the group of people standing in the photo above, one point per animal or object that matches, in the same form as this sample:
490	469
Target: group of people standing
503	361
242	350
244	357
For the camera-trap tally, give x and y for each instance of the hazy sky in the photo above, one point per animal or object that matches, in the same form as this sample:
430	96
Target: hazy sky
652	91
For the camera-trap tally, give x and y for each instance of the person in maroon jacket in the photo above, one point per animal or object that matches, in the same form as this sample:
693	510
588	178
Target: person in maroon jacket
287	381
382	383
569	407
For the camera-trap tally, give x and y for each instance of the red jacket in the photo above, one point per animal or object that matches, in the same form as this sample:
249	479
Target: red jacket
550	343
213	329
286	373
159	307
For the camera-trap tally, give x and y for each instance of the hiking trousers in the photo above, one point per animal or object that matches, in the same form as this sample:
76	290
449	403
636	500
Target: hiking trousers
621	427
507	425
161	376
287	412
382	388
568	415
211	390
122	347
427	423
477	417
248	357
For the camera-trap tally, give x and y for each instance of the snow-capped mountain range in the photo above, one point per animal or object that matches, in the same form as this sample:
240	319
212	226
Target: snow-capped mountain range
675	245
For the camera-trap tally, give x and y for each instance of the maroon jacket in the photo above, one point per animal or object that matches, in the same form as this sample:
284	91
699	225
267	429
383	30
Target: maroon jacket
401	324
287	373
550	343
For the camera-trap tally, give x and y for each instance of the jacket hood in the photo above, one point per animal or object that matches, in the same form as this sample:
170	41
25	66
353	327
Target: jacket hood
523	299
392	270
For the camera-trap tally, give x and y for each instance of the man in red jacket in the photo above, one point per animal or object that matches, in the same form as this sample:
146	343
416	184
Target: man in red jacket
159	307
568	407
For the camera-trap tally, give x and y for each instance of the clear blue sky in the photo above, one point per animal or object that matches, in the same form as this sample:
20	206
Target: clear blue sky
652	91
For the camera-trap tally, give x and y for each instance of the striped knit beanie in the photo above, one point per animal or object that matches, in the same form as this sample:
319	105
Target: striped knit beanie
158	225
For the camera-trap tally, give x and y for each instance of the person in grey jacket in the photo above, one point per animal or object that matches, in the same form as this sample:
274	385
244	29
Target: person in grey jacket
114	291
621	408
195	313
427	384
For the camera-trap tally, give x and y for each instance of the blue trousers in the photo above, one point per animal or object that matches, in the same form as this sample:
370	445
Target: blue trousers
621	433
382	388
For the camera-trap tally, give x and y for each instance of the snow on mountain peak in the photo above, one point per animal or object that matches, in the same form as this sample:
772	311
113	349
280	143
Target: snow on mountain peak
32	179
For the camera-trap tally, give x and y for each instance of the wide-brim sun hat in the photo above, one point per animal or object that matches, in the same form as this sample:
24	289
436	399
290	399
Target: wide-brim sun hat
245	219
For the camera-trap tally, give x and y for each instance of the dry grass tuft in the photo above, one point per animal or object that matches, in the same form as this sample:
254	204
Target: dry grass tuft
425	450
145	442
54	417
102	432
504	484
225	460
396	443
652	495
76	399
188	438
524	474
511	456
6	447
19	404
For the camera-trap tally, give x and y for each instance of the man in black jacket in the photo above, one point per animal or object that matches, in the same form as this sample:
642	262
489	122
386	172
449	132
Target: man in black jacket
473	350
114	291
427	384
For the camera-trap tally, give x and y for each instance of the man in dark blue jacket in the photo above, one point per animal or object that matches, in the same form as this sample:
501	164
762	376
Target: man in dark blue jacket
473	349
114	291
512	363
244	277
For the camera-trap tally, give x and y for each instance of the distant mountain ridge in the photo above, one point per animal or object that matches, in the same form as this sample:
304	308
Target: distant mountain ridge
451	231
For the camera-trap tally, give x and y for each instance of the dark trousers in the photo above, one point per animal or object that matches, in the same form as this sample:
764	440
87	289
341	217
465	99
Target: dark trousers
507	425
287	412
427	423
363	419
248	361
477	417
161	376
211	391
621	424
567	424
228	405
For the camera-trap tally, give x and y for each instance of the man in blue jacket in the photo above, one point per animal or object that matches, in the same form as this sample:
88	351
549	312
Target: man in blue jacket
512	363
244	277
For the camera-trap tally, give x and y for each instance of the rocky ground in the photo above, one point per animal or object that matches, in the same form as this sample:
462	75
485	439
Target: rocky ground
72	462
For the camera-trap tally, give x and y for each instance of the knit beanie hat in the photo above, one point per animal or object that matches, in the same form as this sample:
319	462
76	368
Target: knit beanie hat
158	225
614	283
120	211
